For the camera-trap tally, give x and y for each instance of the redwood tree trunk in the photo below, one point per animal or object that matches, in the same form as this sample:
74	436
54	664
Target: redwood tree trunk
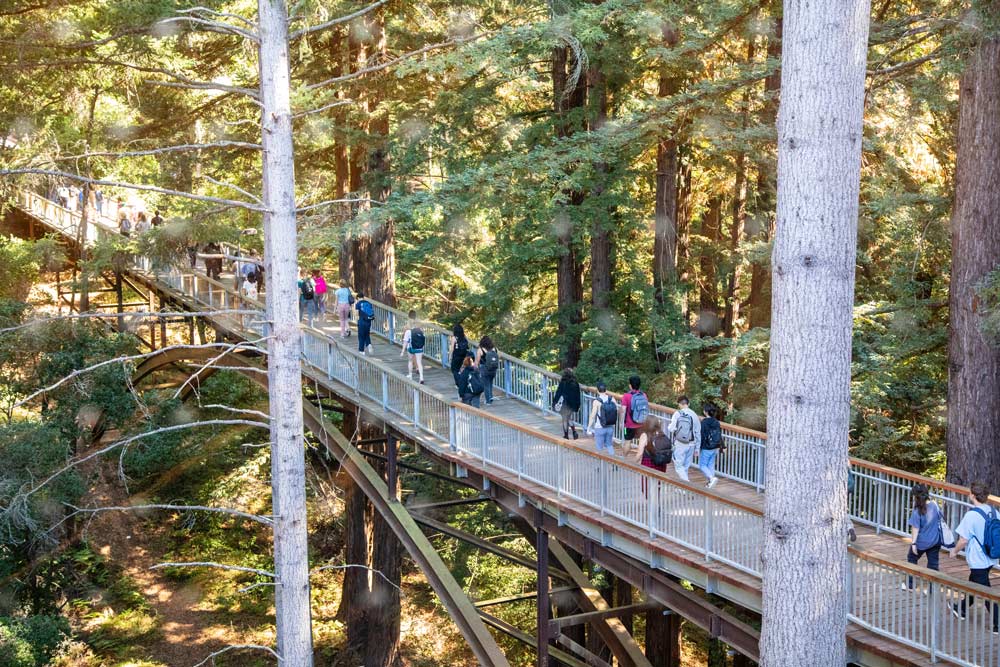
760	276
708	299
739	216
569	271
663	639
974	365
665	206
808	409
601	267
284	374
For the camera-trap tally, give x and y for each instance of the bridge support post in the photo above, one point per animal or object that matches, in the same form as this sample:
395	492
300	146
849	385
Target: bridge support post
391	469
542	550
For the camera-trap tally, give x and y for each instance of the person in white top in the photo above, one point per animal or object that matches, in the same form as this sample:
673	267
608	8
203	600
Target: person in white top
603	419
685	431
972	534
413	345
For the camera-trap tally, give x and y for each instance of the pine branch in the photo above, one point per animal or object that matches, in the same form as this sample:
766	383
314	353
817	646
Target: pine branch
238	647
337	21
160	151
132	186
249	23
223	184
218	566
266	520
348	566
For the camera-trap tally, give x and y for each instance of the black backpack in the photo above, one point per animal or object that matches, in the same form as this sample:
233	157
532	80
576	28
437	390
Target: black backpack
417	338
713	434
476	384
662	450
609	412
492	361
307	289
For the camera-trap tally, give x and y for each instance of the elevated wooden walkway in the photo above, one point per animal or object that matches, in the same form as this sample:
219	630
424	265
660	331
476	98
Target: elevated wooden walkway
648	523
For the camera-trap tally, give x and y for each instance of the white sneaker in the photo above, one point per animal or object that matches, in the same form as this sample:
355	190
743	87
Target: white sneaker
370	349
409	376
712	482
685	477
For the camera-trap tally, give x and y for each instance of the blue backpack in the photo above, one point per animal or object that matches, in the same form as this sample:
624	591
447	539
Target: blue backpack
991	534
366	309
639	407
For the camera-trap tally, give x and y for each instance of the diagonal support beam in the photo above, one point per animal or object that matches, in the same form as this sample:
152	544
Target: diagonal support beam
611	630
485	545
557	624
529	640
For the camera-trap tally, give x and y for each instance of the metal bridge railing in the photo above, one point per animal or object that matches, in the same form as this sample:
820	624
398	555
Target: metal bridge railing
706	522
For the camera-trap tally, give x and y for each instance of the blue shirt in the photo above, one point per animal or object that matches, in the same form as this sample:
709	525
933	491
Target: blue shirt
928	526
973	528
343	294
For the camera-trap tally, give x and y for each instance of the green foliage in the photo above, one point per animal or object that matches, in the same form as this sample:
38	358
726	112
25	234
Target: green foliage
31	641
22	262
989	295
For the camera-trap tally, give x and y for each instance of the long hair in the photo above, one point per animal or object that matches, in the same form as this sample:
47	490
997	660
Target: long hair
569	375
920	495
458	332
652	427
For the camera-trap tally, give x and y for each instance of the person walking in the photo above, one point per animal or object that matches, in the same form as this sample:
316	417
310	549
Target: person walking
654	445
141	223
636	406
366	315
124	224
567	401
926	535
157	219
685	435
344	301
459	349
603	419
976	532
469	382
98	201
488	363
413	346
213	260
307	298
711	444
320	283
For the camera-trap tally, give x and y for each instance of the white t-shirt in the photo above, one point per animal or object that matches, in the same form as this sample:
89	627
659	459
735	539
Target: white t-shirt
973	528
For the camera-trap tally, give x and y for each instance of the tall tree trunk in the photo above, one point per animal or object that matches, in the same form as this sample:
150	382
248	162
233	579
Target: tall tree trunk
760	275
383	612
809	394
341	166
601	267
569	271
357	57
663	639
708	292
739	215
665	204
284	374
684	192
974	365
376	248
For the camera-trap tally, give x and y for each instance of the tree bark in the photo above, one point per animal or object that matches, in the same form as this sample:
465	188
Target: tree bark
569	271
819	164
376	247
708	290
284	374
601	267
341	165
760	275
665	204
973	364
739	215
383	611
663	639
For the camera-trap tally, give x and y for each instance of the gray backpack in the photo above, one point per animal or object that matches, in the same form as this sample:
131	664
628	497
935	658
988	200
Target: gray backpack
685	429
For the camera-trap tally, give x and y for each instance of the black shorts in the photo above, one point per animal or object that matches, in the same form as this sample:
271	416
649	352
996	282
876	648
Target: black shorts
631	433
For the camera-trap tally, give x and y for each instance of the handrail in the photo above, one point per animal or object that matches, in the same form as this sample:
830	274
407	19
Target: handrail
699	519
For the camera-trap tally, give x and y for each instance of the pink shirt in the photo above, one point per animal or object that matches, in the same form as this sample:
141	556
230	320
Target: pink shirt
627	404
320	285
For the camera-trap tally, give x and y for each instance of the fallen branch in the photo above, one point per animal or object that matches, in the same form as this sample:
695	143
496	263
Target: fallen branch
239	647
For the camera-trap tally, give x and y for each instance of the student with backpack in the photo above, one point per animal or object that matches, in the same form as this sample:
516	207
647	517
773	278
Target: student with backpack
413	345
636	406
567	401
603	419
711	444
307	298
685	435
979	534
344	301
926	534
366	315
654	445
469	382
459	350
488	363
319	283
